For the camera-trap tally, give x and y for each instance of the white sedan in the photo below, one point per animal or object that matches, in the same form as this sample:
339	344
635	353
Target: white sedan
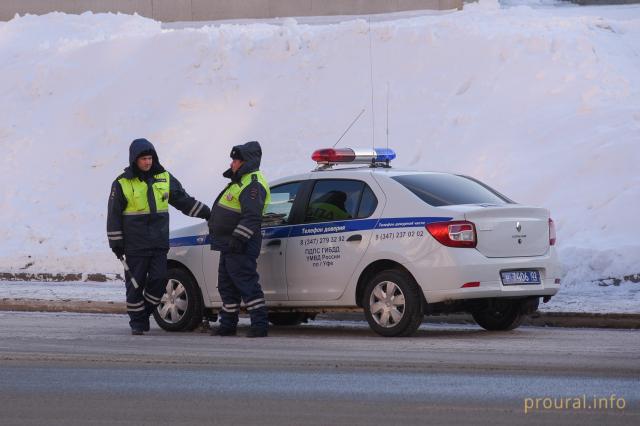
395	244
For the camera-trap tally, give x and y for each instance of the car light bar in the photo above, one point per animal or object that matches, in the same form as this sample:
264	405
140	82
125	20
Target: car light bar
353	156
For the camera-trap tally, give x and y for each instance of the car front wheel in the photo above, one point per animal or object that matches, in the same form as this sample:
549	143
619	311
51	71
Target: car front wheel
392	304
181	306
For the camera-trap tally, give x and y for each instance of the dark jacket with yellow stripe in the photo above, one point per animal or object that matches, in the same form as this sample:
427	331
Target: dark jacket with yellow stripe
137	215
238	209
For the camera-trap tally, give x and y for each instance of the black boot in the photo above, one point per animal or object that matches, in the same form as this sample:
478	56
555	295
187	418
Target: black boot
257	332
220	331
136	332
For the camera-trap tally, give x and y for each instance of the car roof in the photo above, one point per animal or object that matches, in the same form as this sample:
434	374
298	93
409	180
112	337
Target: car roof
355	171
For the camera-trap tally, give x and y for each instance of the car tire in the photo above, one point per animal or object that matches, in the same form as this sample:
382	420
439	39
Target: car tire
502	315
286	318
181	306
393	304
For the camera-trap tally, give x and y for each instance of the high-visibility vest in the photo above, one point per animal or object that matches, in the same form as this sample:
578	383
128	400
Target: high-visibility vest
230	199
135	192
326	212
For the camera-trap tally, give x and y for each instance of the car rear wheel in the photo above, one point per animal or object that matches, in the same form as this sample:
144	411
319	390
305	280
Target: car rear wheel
500	315
181	306
393	304
286	318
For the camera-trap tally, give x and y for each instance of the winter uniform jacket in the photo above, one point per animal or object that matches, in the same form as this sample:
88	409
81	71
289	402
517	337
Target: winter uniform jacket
230	220
138	216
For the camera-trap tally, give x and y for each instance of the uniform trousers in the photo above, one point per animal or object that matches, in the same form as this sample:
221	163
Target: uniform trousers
238	281
150	273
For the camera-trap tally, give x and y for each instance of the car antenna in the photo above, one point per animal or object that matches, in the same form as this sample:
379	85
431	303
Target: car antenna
349	128
387	115
373	113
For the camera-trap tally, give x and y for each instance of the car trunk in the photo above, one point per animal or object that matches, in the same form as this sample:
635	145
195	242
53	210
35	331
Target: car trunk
510	230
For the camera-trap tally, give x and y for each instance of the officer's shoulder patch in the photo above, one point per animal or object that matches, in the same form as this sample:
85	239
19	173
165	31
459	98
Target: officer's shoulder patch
253	193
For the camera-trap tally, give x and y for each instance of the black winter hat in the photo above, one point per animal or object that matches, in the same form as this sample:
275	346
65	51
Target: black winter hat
246	151
236	153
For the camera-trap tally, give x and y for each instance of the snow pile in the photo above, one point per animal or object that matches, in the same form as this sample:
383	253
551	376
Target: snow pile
540	104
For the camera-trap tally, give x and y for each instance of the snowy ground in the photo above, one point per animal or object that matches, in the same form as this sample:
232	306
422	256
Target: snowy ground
590	298
542	103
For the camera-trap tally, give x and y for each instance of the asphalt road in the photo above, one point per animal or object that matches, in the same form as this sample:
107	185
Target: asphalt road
86	369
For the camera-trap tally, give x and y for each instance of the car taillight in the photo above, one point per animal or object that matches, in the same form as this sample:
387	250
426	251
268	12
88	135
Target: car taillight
458	233
552	232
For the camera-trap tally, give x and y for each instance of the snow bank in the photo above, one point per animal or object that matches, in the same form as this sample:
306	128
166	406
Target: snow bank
543	105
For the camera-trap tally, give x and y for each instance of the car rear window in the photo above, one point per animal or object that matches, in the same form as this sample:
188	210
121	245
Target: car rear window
447	190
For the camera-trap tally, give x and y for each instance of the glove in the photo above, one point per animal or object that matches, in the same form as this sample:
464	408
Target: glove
235	245
118	251
205	213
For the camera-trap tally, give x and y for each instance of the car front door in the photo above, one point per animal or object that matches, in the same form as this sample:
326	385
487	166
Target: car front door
324	250
275	230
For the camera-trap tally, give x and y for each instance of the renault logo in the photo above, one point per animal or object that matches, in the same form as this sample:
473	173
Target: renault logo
518	227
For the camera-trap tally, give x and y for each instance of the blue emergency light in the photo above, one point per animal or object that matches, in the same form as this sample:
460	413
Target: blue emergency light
375	156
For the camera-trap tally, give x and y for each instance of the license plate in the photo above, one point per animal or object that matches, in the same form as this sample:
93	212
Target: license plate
520	277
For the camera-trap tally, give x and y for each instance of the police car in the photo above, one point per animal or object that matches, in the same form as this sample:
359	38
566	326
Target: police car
358	235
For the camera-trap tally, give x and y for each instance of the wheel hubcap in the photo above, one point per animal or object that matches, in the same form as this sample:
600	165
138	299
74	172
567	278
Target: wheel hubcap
387	304
174	302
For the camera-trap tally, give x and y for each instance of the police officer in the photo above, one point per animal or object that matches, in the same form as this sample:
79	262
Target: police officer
236	218
138	227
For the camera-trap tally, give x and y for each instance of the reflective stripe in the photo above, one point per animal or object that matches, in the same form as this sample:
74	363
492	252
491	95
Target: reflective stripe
241	233
140	309
135	213
153	302
149	296
230	305
193	208
244	228
253	302
116	238
230	310
199	208
114	233
251	308
133	305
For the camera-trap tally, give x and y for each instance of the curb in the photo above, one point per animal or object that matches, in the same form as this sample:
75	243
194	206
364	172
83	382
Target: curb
66	305
559	319
538	319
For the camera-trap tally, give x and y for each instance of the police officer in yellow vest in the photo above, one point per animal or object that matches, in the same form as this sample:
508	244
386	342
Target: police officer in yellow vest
138	227
235	228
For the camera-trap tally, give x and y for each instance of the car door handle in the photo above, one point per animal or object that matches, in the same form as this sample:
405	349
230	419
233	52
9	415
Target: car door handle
274	243
356	237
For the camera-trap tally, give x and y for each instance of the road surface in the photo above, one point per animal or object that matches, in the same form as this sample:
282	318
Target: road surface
86	369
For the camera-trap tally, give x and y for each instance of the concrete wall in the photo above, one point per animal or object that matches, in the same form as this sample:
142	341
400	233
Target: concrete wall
209	10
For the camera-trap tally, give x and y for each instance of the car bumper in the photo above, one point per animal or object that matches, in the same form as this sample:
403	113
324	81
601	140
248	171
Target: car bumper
443	277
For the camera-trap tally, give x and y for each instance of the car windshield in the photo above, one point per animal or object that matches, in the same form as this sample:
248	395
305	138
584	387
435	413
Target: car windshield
439	189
